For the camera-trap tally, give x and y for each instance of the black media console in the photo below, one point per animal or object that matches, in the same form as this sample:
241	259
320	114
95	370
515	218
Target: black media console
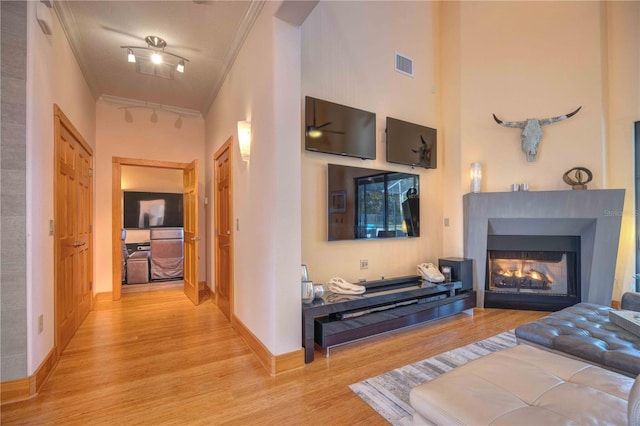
386	305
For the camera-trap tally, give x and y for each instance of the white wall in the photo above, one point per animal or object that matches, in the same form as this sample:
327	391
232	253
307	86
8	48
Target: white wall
263	87
141	139
348	53
53	76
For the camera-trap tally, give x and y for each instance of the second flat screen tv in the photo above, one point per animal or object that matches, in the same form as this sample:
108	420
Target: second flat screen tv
411	144
337	129
144	210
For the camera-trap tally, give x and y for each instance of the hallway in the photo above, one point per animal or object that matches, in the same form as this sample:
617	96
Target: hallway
154	358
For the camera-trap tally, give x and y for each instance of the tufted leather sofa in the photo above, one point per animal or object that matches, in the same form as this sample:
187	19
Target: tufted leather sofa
524	385
584	331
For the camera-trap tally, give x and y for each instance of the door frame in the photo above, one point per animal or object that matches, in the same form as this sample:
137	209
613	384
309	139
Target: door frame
117	211
227	146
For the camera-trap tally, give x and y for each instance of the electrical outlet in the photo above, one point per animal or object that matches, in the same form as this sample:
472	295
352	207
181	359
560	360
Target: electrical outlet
40	323
364	263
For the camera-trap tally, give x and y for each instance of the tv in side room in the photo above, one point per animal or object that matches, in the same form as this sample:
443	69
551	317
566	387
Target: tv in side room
143	210
338	129
411	144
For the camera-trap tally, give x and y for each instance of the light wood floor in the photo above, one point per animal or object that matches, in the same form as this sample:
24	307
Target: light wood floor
154	358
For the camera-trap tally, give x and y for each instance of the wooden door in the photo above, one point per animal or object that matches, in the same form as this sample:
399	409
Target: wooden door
190	201
73	248
84	232
223	230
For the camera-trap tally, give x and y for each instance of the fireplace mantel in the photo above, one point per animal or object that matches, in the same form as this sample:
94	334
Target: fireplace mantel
594	215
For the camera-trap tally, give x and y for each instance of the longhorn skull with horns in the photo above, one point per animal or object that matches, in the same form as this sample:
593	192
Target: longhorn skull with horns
532	131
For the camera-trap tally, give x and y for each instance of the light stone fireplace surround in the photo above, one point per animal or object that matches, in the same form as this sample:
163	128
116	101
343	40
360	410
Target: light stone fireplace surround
594	215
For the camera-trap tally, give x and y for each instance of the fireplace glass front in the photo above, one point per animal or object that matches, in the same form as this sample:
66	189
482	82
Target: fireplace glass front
532	272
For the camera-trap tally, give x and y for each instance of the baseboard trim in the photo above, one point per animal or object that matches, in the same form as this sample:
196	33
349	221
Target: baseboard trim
207	290
107	295
274	364
28	387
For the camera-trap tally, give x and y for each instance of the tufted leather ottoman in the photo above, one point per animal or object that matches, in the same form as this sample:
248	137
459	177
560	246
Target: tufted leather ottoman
527	386
584	331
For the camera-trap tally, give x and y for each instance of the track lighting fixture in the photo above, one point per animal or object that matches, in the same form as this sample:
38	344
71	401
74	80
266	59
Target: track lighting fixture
128	117
155	53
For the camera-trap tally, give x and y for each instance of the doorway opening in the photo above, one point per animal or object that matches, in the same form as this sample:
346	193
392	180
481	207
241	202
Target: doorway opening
188	233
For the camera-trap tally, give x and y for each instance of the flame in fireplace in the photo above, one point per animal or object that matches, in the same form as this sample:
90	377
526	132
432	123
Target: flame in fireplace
518	278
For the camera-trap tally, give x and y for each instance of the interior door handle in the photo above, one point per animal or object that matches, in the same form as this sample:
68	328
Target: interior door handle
195	239
226	245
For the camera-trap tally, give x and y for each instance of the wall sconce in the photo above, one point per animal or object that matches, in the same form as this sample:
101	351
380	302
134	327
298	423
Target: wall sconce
476	177
244	139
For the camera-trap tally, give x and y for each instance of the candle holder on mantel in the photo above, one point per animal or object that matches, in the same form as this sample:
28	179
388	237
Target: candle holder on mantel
476	177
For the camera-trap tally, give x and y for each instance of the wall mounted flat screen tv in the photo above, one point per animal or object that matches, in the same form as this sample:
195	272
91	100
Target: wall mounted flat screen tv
337	129
143	210
368	203
411	144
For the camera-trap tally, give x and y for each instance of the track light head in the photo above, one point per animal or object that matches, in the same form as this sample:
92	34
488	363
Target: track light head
178	123
154	117
130	56
127	116
180	67
156	58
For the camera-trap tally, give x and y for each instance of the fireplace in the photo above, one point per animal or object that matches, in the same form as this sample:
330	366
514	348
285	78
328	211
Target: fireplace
533	272
591	215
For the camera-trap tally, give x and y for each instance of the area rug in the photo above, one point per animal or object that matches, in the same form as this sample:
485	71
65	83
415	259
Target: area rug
388	393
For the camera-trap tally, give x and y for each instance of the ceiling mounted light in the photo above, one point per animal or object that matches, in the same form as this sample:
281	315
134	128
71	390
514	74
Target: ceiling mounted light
127	116
155	53
178	123
154	117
